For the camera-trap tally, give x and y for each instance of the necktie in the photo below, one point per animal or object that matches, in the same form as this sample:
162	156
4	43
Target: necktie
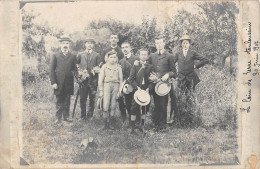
159	52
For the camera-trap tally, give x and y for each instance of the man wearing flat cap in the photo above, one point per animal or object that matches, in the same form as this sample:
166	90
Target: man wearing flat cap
61	66
187	77
88	60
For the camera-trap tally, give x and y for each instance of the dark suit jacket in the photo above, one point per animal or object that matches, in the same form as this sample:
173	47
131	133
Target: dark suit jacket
137	75
163	64
61	68
120	54
132	59
94	60
126	68
186	65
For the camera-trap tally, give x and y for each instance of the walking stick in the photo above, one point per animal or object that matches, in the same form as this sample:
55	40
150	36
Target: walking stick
75	104
144	119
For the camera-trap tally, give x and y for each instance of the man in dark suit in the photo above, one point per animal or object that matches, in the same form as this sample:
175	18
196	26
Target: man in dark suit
88	60
187	77
126	63
61	66
113	47
164	66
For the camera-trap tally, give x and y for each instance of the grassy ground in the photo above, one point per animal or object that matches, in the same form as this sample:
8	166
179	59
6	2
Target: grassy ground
214	141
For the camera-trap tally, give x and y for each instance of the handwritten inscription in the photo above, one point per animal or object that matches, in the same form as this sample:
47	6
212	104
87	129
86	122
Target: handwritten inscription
251	69
249	41
248	97
248	68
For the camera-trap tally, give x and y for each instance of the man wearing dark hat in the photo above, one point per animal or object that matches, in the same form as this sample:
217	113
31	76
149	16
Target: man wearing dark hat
164	66
88	60
126	63
187	77
113	47
61	66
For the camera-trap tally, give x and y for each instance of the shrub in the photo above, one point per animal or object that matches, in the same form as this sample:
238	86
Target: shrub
217	95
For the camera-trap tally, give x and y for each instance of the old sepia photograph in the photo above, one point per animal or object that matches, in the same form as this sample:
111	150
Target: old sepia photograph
129	82
132	82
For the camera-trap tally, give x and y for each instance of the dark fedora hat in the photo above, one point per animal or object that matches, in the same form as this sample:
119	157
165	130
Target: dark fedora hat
64	38
89	39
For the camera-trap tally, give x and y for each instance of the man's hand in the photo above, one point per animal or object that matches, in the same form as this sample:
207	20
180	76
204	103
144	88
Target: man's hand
153	77
118	95
96	69
55	86
136	63
165	77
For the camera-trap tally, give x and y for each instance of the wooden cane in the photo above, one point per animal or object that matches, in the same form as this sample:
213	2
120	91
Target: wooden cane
75	104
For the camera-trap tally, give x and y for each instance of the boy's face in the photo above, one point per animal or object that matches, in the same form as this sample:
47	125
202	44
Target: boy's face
159	44
113	40
112	59
185	44
89	45
126	48
143	55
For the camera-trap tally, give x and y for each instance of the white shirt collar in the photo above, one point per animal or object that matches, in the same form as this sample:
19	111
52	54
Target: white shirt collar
162	51
185	51
89	51
113	47
64	53
128	55
142	62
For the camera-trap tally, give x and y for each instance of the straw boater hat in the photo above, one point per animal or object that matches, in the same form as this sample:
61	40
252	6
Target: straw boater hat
185	37
100	103
125	88
162	88
64	38
142	97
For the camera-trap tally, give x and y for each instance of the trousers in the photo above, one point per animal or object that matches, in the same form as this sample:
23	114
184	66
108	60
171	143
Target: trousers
110	94
85	92
62	105
125	103
160	109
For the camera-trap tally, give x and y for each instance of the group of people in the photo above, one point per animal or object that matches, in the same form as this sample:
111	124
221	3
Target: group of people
122	78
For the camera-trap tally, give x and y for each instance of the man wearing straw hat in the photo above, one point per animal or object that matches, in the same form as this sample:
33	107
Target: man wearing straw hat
164	67
140	80
88	60
61	66
187	76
